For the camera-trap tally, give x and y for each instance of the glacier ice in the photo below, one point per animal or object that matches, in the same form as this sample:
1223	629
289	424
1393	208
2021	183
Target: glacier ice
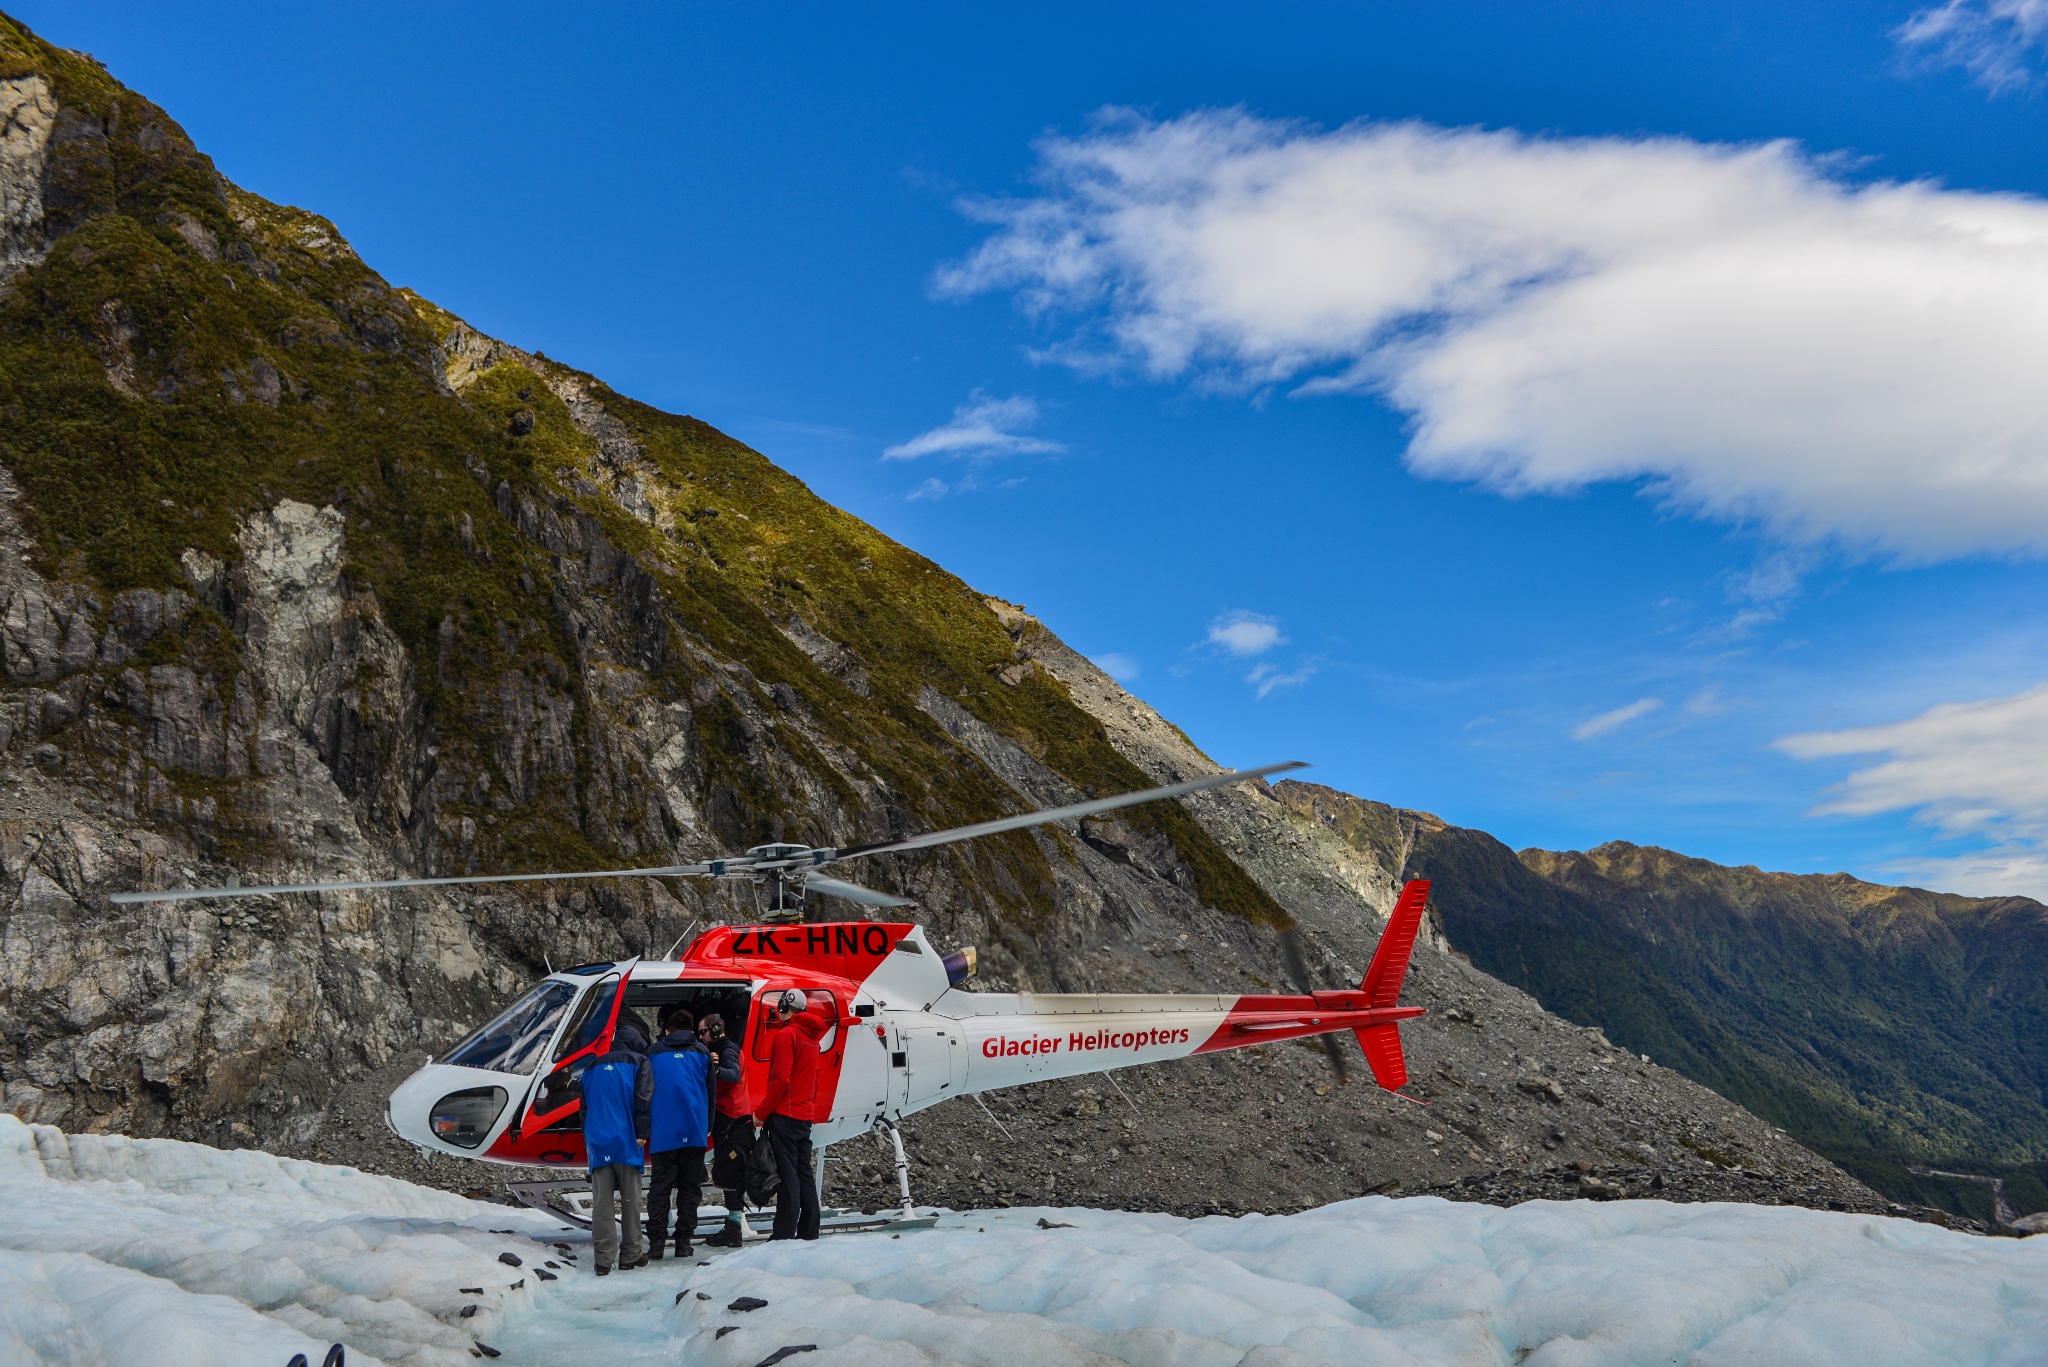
119	1251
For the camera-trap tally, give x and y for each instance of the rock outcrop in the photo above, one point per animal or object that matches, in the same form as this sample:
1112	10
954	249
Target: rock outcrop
27	115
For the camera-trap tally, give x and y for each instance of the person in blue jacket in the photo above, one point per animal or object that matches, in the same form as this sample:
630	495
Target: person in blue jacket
686	1081
618	1091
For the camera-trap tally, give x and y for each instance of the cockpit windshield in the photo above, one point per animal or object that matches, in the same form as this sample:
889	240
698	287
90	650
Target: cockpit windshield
514	1042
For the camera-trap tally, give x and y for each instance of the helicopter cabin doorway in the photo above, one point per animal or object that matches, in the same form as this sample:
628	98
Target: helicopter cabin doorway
556	1106
647	1000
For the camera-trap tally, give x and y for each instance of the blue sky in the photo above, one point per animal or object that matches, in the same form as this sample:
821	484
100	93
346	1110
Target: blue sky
1581	421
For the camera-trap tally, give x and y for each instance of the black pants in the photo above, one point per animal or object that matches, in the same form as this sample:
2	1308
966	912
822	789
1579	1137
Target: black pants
796	1203
730	1176
681	1172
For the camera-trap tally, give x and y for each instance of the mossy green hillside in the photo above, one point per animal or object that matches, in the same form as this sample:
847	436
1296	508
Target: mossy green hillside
188	355
751	529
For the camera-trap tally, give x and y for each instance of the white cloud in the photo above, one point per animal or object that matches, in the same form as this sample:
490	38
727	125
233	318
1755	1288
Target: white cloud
1762	594
1122	668
2006	871
927	491
1269	677
1245	633
1619	717
1996	41
1757	337
1710	701
980	427
1970	769
1773	580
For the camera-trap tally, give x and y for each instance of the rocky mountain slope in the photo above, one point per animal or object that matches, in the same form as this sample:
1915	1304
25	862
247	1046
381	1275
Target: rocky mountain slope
301	577
1891	1028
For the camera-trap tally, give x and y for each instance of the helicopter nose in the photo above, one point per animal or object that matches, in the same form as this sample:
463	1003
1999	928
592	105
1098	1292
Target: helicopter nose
448	1109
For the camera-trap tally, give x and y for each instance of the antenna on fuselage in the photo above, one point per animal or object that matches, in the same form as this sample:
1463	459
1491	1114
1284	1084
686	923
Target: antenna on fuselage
670	956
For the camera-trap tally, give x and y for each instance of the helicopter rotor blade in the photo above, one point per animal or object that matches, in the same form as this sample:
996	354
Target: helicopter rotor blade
1335	1052
1067	813
853	892
372	884
719	868
1297	969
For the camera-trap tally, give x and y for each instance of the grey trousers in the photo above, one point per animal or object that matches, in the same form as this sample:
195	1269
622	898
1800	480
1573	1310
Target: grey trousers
624	1180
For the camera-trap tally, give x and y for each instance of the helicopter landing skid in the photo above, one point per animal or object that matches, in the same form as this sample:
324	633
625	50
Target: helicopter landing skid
569	1199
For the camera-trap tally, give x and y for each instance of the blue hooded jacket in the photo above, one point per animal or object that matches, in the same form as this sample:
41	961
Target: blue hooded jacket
617	1091
683	1090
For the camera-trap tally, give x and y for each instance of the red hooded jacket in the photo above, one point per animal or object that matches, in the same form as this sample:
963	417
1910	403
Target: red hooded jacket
792	1069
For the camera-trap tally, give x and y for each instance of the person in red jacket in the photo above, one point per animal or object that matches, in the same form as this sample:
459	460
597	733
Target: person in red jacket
732	1130
787	1107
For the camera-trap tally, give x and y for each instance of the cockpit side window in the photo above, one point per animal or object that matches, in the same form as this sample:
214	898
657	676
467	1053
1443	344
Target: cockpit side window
821	1004
826	1005
515	1041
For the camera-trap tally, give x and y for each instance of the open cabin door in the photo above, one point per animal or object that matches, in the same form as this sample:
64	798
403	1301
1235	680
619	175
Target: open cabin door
556	1104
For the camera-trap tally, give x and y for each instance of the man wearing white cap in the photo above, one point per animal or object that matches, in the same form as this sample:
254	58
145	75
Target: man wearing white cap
786	1111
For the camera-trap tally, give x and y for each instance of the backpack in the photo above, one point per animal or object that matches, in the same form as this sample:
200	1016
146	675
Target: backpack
764	1179
743	1161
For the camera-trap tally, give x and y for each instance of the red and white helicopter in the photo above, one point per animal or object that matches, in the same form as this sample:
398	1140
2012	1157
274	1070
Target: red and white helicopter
901	1033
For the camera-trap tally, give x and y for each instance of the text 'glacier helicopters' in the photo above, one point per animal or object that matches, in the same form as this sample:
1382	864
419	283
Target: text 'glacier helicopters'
900	1033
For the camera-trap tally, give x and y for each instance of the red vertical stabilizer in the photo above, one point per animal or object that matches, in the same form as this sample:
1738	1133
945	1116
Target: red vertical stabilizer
1382	985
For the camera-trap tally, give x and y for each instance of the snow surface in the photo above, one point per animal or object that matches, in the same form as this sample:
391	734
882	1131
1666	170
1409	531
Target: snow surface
119	1251
151	1251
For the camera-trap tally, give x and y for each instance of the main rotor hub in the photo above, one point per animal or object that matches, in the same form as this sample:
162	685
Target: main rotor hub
772	853
785	899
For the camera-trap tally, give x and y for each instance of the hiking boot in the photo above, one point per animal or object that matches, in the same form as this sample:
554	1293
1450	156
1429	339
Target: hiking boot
641	1261
728	1237
655	1253
684	1250
602	1270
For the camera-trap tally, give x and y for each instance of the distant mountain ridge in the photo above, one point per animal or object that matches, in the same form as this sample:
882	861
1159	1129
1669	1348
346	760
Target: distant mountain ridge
1881	1025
